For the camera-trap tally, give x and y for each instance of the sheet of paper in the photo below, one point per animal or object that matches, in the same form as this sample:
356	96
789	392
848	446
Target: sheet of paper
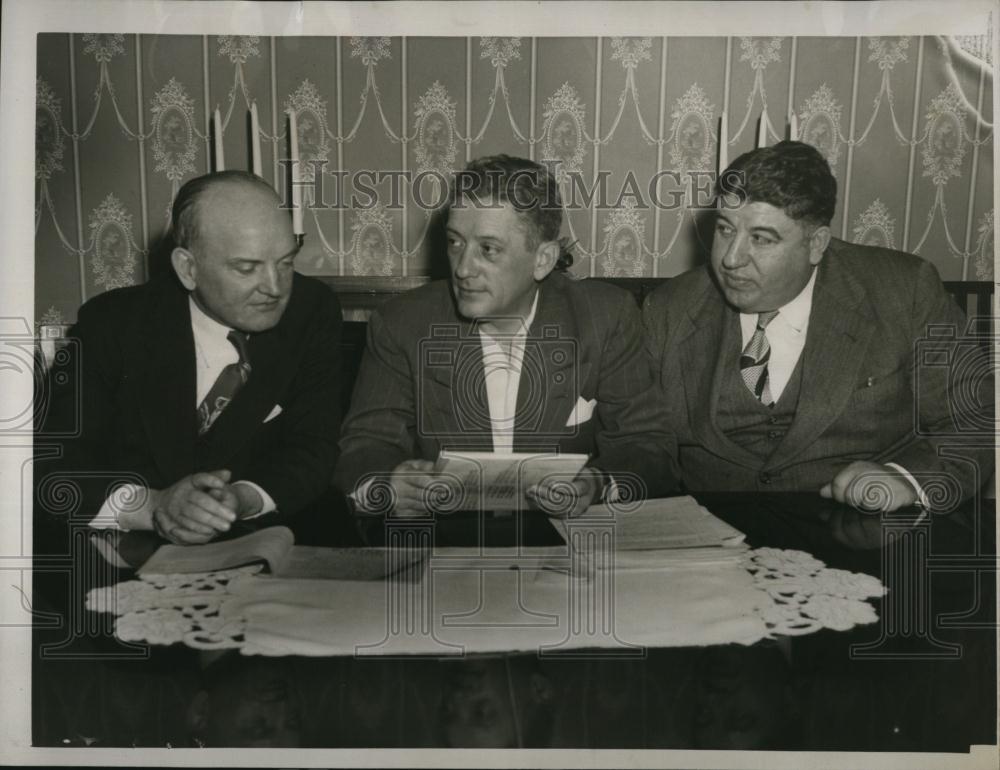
495	480
664	524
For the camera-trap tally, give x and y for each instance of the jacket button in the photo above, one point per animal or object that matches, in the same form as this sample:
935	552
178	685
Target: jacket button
773	420
774	434
764	478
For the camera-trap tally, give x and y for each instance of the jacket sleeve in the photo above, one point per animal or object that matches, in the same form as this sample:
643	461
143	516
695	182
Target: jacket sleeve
950	450
633	440
379	432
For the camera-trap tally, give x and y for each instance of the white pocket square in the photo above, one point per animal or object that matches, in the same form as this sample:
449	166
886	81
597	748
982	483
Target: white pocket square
583	410
274	413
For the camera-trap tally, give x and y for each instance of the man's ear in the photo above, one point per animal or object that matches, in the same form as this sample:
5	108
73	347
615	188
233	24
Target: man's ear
546	256
185	267
818	242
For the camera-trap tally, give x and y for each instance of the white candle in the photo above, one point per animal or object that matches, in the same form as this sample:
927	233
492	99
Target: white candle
293	140
255	140
220	157
793	127
723	142
762	133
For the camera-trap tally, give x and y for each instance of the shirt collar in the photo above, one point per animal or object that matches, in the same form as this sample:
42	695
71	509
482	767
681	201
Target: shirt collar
203	325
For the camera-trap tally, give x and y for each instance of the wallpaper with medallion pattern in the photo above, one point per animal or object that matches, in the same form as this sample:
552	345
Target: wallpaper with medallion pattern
634	123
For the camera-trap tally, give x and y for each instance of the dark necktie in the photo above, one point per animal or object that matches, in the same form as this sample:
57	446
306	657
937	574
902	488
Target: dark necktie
230	380
753	361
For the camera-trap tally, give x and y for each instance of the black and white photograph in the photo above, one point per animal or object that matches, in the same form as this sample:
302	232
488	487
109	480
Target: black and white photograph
497	384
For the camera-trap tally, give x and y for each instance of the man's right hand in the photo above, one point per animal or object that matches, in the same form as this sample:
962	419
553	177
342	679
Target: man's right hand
409	480
186	513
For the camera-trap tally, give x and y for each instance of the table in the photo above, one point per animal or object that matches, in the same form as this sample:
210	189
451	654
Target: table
922	680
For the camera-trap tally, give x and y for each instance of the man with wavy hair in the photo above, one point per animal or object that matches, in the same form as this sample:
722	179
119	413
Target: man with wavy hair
511	354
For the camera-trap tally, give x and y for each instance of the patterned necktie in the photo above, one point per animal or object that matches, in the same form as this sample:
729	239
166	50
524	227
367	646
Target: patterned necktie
753	361
230	380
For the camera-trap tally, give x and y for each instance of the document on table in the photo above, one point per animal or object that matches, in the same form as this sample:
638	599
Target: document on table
660	533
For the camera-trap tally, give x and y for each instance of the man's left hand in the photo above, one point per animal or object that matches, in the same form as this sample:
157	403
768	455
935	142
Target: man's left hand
241	498
870	487
562	499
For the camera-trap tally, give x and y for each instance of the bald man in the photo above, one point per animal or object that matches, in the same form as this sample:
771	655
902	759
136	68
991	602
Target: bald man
209	394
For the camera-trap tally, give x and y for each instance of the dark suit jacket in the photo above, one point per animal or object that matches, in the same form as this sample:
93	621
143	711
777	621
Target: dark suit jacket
862	397
129	386
421	385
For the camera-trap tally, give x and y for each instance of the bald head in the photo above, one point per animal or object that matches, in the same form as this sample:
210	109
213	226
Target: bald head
187	212
235	249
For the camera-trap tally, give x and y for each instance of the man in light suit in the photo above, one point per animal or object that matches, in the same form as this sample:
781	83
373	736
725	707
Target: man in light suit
788	363
210	393
511	354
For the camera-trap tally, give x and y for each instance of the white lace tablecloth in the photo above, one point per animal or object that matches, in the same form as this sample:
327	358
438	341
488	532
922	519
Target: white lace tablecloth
456	606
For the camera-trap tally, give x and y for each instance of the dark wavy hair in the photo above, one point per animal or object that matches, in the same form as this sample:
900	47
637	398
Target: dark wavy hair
793	176
529	187
184	215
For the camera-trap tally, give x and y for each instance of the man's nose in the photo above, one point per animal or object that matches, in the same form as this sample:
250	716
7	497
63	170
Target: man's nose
735	255
271	282
464	266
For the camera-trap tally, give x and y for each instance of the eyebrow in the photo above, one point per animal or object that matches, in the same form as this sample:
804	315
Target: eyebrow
291	253
769	230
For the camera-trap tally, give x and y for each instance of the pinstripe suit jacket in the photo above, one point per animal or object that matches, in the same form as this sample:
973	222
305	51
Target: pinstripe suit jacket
421	387
869	389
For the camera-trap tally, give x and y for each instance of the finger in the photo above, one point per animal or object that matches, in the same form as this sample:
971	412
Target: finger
223	474
417	482
209	480
193	512
191	525
209	504
826	491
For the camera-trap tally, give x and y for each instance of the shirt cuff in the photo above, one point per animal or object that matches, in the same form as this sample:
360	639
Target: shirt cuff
360	496
128	507
922	500
267	501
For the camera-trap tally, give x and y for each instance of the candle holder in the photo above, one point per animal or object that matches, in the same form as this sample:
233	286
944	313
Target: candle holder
299	239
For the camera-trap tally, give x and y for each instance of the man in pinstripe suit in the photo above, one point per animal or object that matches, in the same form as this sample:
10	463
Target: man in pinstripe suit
511	354
798	362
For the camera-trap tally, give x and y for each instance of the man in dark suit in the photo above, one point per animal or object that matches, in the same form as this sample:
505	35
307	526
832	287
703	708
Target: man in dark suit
511	354
210	393
788	364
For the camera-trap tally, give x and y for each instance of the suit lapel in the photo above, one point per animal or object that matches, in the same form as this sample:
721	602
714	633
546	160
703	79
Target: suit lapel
167	382
712	325
552	372
453	359
840	331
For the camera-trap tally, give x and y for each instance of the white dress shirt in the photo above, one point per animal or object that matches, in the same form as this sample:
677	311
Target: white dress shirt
786	335
503	357
213	352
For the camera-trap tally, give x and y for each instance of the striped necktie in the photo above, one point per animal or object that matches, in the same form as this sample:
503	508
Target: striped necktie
230	380
753	361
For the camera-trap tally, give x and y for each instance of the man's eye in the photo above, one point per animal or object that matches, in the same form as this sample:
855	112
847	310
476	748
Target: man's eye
489	250
287	264
454	244
760	240
244	269
723	229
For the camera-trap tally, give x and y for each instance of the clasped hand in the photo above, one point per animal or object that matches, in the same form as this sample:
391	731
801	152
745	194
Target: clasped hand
411	480
197	508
